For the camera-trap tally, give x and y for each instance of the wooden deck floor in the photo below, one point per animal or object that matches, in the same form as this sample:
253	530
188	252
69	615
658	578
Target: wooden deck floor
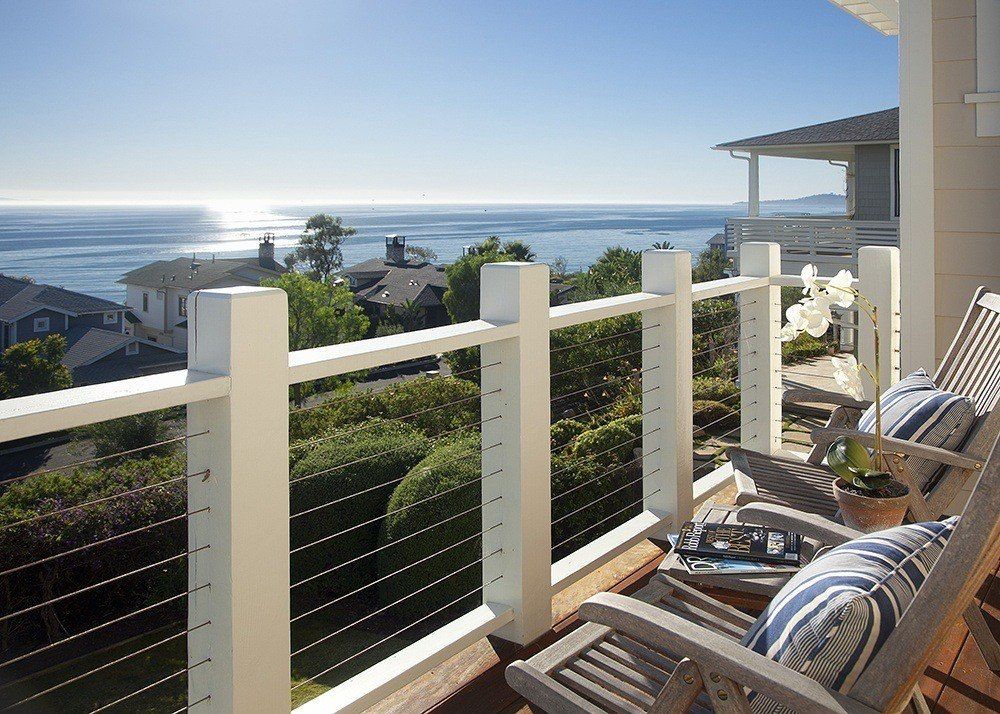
956	681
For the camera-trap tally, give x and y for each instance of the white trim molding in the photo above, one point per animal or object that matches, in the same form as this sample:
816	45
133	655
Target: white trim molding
987	97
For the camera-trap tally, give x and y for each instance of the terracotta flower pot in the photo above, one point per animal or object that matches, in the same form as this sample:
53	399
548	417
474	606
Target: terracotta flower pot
868	514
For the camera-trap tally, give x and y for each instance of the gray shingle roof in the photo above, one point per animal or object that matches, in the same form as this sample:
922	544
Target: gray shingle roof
94	355
872	127
395	283
19	297
198	274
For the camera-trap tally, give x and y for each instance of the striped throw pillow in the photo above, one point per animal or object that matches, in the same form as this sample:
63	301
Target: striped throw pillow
915	410
829	621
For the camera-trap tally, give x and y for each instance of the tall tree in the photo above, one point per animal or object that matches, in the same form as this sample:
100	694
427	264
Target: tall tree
519	250
462	296
419	252
318	314
34	367
319	245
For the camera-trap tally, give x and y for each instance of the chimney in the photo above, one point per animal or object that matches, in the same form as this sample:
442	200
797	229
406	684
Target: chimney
395	248
265	252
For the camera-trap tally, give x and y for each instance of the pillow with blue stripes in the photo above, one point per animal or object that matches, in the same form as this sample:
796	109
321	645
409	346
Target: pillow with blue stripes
830	620
914	409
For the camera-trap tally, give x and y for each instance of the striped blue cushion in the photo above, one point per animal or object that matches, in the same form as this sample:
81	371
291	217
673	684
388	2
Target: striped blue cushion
829	621
915	410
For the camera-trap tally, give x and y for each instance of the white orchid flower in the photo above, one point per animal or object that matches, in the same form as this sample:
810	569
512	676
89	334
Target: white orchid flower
788	332
809	274
811	315
847	373
840	289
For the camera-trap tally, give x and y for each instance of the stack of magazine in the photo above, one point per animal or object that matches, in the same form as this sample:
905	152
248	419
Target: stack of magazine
735	549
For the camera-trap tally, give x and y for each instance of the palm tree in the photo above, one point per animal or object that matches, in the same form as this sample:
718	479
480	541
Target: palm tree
663	245
519	250
410	316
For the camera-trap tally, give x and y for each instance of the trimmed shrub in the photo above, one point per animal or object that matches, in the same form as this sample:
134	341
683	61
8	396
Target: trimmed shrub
714	415
441	470
344	468
713	389
565	430
598	353
54	535
610	444
803	347
423	394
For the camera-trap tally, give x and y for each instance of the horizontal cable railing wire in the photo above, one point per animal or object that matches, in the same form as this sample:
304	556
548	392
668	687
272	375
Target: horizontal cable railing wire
609	494
606	519
134	613
723	418
716	348
703	315
720	365
393	512
605	383
342	434
193	704
730	326
112	663
608	450
610	471
616	358
157	683
403	539
379	392
396	633
99	459
606	338
392	604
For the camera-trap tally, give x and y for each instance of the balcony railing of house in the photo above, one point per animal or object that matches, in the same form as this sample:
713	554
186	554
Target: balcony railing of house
240	628
831	243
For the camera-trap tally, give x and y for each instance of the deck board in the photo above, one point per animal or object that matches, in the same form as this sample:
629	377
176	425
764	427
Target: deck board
956	680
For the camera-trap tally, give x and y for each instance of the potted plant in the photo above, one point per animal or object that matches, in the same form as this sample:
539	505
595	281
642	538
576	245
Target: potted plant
869	497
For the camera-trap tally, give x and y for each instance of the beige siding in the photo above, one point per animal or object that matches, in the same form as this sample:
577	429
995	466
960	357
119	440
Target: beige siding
966	174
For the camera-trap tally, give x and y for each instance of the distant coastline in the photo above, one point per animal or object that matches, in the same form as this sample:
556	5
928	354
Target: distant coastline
827	202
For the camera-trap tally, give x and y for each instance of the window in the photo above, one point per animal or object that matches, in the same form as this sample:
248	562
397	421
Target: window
182	306
145	302
41	324
132	348
110	318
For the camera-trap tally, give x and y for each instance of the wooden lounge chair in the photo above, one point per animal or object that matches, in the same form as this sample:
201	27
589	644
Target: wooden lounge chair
970	368
670	648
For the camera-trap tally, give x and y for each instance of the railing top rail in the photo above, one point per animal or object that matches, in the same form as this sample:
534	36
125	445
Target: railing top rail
24	417
320	362
811	220
578	313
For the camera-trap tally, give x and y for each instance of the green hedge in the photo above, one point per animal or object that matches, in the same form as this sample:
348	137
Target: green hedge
565	430
442	469
715	416
803	347
57	534
714	389
350	469
424	394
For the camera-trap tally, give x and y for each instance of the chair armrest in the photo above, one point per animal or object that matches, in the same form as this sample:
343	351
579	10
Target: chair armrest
826	435
822	396
714	653
805	524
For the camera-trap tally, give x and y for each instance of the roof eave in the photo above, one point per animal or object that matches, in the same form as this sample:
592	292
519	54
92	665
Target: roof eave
880	15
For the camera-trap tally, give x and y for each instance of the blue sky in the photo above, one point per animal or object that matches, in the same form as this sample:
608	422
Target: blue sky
428	101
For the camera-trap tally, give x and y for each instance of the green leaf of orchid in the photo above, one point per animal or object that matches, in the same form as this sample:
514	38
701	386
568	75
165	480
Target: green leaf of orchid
848	458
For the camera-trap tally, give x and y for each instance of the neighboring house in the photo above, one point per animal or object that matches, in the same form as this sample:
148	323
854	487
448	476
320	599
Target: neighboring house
867	148
156	294
98	348
385	285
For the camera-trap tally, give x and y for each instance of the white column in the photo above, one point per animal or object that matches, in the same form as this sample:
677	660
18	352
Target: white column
878	270
760	353
667	464
753	188
518	293
243	333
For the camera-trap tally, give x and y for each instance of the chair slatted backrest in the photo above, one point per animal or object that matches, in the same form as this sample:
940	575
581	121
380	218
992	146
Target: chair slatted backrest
970	555
971	367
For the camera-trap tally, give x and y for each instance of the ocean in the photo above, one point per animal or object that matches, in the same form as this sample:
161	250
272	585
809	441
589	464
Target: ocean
87	248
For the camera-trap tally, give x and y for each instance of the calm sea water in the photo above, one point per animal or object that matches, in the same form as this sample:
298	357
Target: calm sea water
87	248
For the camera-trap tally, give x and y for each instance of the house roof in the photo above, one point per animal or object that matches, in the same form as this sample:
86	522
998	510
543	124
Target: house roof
85	345
872	128
19	298
388	283
881	15
198	274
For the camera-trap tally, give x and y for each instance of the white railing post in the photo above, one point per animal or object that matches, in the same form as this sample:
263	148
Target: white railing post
760	352
241	333
878	272
518	293
668	449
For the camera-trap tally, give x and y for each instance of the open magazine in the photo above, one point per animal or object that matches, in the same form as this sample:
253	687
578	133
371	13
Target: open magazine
726	566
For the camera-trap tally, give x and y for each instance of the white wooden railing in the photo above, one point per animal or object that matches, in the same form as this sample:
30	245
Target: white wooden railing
236	391
831	243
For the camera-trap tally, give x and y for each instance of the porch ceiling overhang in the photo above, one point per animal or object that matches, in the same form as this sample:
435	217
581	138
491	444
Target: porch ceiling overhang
882	15
822	152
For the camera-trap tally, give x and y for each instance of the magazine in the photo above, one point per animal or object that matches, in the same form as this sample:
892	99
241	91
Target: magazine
727	566
740	542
